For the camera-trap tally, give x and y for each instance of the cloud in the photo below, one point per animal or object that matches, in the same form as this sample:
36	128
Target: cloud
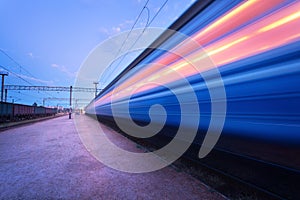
116	29
35	79
63	69
55	65
103	30
175	18
126	25
30	54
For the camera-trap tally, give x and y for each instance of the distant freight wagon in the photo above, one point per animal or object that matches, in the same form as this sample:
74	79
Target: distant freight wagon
17	112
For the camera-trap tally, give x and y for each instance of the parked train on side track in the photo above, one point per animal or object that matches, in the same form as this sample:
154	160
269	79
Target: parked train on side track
16	112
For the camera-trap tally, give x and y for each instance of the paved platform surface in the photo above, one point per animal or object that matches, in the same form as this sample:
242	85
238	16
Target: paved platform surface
47	160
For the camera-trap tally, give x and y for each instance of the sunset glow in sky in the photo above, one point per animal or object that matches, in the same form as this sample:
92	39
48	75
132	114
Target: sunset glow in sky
45	42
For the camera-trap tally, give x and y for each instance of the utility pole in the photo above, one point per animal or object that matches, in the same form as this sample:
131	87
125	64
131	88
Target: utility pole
70	112
96	83
2	84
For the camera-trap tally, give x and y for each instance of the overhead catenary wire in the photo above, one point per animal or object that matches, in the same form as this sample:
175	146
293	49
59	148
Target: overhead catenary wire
147	25
16	75
149	22
29	95
20	66
136	20
124	41
162	6
123	56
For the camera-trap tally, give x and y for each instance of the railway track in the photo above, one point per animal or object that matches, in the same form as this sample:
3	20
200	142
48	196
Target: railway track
234	175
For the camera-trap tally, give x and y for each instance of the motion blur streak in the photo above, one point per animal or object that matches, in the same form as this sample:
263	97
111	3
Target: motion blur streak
255	47
267	32
270	32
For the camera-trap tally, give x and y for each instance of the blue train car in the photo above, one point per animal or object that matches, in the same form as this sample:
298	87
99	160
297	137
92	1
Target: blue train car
255	47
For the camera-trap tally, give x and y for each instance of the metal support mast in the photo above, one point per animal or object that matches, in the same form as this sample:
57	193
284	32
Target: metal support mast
70	112
49	88
2	84
96	83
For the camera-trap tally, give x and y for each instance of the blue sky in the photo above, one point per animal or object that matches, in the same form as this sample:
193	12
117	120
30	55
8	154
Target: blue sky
50	39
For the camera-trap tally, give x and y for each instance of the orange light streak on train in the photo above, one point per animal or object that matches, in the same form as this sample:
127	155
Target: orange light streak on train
272	31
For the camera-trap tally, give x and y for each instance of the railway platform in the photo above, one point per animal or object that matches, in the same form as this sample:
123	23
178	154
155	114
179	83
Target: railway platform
47	160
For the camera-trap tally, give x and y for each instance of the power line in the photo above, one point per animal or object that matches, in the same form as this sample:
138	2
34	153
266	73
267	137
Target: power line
123	43
64	99
18	76
15	74
12	59
26	94
132	28
18	64
123	57
50	88
157	12
146	26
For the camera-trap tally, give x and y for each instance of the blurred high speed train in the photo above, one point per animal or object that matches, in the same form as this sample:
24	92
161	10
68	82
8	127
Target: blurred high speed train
255	46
